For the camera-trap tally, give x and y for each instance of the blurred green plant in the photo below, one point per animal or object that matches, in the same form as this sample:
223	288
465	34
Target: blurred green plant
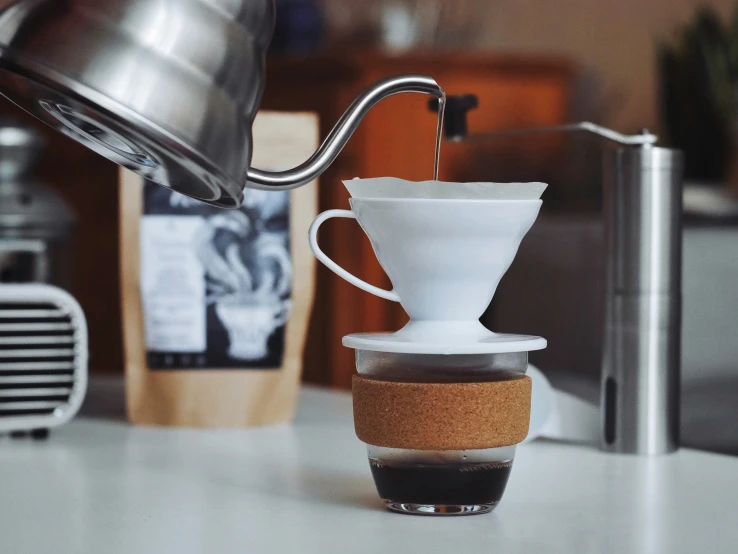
699	77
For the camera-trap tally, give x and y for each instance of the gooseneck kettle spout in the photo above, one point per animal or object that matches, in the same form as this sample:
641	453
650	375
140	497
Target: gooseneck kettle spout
168	90
341	132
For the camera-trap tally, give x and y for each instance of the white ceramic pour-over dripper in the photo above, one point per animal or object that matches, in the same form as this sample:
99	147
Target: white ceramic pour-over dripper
445	258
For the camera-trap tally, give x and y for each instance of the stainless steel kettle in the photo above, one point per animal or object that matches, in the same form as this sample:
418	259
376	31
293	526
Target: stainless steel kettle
167	88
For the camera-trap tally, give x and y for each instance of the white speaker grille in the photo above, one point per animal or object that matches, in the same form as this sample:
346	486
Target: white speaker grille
42	360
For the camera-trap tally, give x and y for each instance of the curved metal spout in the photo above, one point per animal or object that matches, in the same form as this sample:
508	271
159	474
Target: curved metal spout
341	132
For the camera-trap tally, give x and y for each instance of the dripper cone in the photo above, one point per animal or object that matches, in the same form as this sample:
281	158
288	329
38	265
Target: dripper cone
445	257
445	247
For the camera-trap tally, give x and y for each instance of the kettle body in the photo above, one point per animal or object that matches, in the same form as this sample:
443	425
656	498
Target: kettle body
166	88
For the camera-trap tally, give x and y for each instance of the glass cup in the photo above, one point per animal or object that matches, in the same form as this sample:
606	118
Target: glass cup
441	482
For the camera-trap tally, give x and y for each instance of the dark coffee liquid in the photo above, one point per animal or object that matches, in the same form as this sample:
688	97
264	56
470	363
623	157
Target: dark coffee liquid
449	485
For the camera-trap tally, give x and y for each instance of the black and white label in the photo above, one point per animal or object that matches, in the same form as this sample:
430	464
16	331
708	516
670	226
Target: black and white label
216	284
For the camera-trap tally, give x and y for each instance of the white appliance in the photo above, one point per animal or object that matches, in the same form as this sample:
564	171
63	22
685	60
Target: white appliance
43	358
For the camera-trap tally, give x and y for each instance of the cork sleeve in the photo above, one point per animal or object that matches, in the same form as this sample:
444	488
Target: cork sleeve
441	416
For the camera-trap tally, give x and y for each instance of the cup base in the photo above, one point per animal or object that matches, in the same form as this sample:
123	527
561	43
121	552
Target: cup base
443	483
439	509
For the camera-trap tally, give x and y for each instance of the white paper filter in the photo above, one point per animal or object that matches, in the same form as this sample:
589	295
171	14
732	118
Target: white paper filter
392	187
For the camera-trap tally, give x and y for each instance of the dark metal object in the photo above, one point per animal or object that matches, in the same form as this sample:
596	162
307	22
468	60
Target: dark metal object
454	127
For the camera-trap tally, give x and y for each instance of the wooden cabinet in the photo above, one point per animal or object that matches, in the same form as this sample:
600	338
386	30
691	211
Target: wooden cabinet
397	139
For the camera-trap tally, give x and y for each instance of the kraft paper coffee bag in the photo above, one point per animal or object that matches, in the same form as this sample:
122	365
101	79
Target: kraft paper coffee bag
216	302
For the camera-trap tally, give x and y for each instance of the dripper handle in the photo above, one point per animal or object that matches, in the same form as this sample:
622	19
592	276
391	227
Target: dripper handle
333	266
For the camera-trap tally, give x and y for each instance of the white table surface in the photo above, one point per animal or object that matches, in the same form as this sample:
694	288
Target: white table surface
101	486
